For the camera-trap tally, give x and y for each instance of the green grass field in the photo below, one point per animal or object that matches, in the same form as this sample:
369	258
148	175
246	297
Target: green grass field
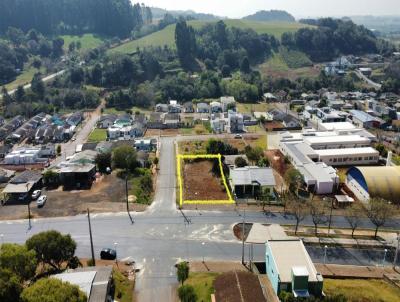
203	285
24	78
166	36
97	135
362	290
88	41
276	66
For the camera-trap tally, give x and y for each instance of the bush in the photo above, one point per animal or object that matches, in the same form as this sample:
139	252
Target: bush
52	289
186	293
240	162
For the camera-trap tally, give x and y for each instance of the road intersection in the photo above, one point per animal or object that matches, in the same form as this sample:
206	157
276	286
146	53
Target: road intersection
160	237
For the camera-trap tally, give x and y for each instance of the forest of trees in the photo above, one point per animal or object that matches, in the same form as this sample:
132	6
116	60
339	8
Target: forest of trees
331	38
272	15
107	17
21	46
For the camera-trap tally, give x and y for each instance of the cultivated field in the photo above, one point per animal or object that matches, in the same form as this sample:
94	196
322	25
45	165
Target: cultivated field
167	35
200	184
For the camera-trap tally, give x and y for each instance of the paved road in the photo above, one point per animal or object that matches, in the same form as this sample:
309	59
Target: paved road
45	79
368	80
159	237
68	148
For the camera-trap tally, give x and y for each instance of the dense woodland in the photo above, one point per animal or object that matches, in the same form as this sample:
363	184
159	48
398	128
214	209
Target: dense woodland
107	17
209	62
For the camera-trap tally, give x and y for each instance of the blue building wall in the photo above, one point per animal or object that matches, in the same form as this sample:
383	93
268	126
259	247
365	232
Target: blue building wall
271	269
358	176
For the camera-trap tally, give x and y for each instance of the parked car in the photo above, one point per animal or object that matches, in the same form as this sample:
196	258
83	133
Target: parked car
238	136
41	201
36	194
108	254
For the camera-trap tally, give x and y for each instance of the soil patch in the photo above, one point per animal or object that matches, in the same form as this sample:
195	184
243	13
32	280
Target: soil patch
231	287
200	184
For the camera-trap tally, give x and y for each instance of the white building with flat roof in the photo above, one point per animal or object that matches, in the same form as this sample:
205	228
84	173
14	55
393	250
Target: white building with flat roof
315	154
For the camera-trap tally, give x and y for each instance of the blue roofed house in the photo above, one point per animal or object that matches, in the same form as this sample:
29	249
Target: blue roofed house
289	268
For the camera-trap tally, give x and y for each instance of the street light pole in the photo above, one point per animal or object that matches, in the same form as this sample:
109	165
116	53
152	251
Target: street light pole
116	253
325	250
397	251
384	257
330	217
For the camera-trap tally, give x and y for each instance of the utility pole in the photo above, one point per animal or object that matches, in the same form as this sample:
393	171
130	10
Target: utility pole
126	194
244	217
91	238
29	207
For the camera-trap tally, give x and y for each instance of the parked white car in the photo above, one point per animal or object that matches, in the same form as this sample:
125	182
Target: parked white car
41	201
36	194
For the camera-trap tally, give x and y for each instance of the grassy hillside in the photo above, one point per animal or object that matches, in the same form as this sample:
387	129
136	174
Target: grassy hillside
167	35
284	64
88	41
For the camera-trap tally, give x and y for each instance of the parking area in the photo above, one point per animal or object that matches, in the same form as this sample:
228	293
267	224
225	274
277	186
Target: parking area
106	195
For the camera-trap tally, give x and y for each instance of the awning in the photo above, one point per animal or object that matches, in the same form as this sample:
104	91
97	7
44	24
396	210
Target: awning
18	188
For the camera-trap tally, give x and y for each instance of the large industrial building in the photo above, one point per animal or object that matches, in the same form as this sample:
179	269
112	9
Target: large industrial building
371	182
314	153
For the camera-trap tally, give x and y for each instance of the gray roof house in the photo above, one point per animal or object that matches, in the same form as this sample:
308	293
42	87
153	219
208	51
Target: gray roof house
161	108
203	108
106	121
254	182
290	121
188	107
228	103
95	282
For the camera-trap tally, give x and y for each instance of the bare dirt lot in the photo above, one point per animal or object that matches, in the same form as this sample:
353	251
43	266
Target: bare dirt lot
227	287
200	184
106	195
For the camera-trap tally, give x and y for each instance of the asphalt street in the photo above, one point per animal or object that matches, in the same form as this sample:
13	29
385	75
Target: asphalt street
159	237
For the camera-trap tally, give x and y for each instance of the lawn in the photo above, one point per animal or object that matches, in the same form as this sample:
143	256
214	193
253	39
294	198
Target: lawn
133	109
203	285
24	78
255	107
123	287
357	290
192	147
97	135
88	41
166	36
258	141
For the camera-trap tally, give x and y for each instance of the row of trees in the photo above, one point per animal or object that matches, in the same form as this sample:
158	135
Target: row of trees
107	17
19	266
378	211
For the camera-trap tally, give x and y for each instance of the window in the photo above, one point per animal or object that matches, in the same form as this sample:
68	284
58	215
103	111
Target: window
335	160
340	160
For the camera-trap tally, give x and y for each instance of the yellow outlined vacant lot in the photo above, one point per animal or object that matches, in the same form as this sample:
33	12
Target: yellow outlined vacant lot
180	180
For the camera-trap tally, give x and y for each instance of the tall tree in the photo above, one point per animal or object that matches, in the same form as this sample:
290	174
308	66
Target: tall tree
10	286
52	248
37	85
19	260
317	210
379	212
185	43
296	208
182	271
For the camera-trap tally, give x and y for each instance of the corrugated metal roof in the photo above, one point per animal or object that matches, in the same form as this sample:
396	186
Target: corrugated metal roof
249	175
383	182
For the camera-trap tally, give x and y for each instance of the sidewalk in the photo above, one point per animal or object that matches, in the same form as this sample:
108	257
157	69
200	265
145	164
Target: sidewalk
216	267
347	242
353	271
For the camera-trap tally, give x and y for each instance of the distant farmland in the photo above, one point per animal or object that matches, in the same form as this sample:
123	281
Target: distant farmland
167	35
